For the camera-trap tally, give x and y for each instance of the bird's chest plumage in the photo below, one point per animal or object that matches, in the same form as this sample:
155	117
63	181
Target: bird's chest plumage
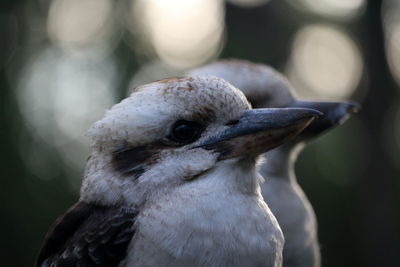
207	230
289	204
297	219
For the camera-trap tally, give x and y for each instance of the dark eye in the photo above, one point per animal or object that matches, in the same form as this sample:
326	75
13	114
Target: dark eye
185	132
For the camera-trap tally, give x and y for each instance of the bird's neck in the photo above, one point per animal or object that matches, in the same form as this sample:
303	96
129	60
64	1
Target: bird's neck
280	162
235	175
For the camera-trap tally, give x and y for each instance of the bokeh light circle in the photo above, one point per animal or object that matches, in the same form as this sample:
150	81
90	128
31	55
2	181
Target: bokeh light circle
324	62
182	33
333	8
75	24
391	25
60	95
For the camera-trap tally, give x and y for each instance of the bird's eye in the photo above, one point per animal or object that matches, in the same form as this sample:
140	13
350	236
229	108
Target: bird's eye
185	132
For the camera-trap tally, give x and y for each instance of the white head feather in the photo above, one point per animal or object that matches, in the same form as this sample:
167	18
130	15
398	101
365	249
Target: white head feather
262	85
145	118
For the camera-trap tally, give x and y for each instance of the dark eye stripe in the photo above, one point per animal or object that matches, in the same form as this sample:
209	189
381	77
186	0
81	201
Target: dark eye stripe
133	161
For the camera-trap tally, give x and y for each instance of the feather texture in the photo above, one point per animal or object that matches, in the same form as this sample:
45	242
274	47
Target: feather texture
89	235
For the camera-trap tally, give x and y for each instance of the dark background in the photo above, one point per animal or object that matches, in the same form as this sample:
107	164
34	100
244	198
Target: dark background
62	63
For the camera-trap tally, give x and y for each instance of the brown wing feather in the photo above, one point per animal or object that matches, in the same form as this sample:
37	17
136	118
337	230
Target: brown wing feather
89	235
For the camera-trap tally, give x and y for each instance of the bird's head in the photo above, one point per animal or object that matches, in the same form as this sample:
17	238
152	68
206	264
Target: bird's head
265	87
169	132
262	85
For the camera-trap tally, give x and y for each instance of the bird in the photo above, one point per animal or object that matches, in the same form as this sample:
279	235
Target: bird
172	180
265	87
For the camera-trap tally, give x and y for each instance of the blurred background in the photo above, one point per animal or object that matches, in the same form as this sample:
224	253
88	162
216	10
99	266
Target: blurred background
63	62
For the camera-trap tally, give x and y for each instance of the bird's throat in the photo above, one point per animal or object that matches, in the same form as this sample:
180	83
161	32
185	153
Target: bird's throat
280	162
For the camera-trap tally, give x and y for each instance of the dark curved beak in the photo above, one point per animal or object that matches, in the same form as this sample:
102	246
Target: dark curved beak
259	130
334	113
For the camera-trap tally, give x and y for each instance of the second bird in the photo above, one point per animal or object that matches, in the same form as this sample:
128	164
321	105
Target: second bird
265	87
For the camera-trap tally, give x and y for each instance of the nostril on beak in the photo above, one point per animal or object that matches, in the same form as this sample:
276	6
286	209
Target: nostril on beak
231	122
353	107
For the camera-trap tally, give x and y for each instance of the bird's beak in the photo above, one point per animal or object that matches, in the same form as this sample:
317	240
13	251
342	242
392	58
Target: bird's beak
334	113
259	130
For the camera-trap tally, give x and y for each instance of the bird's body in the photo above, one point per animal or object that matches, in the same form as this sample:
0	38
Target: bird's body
227	229
167	183
291	207
265	87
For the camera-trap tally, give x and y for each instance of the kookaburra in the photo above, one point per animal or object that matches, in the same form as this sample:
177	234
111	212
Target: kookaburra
265	87
172	181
